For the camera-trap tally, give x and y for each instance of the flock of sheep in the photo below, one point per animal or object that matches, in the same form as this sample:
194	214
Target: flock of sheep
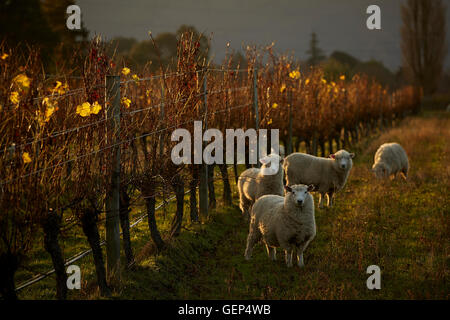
282	215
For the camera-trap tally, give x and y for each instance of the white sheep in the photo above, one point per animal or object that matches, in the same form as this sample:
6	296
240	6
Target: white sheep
328	175
389	160
287	222
254	182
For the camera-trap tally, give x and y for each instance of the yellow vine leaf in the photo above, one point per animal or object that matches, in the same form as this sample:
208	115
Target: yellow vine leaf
126	71
14	98
294	74
84	109
126	102
22	81
51	107
26	157
96	107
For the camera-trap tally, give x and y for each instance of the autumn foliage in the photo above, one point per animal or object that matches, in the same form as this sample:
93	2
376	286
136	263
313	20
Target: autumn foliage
56	140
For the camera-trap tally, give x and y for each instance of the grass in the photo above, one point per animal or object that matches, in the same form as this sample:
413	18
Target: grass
403	227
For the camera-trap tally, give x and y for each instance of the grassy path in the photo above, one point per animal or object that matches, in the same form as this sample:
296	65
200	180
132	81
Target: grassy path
403	227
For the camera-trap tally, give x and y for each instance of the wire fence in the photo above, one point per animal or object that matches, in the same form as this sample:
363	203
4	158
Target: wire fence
75	92
122	125
133	112
87	252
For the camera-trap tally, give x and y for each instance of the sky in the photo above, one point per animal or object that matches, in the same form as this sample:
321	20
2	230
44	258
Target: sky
339	24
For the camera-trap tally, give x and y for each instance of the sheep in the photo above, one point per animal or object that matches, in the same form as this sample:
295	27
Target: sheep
328	175
287	222
389	160
254	182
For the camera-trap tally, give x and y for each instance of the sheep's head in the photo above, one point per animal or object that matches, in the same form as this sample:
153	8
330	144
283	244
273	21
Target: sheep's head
271	164
380	170
343	159
297	194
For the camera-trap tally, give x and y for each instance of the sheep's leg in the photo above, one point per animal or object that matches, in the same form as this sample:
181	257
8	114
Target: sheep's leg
300	250
404	173
245	205
253	237
288	252
271	252
300	261
241	202
268	249
330	199
321	200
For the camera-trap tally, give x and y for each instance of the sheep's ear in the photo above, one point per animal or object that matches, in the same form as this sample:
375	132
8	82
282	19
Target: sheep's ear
352	155
332	156
311	187
287	189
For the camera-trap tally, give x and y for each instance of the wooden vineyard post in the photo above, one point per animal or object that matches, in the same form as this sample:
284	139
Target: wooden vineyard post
112	202
289	144
255	104
203	186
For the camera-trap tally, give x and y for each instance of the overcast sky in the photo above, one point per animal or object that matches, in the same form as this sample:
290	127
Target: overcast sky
339	24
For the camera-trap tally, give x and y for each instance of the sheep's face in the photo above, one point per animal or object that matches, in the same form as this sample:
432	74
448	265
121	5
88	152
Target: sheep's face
380	170
297	194
271	164
343	159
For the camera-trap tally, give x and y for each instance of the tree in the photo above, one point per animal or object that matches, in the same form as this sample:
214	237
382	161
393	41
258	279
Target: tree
121	45
161	53
22	23
377	71
423	42
200	37
344	58
333	69
40	23
55	14
315	53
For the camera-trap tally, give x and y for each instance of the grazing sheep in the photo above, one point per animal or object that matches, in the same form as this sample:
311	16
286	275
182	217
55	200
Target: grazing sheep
389	160
327	175
287	222
254	182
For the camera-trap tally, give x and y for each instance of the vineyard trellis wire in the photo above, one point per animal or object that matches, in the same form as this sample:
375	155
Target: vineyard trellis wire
238	90
84	253
75	91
